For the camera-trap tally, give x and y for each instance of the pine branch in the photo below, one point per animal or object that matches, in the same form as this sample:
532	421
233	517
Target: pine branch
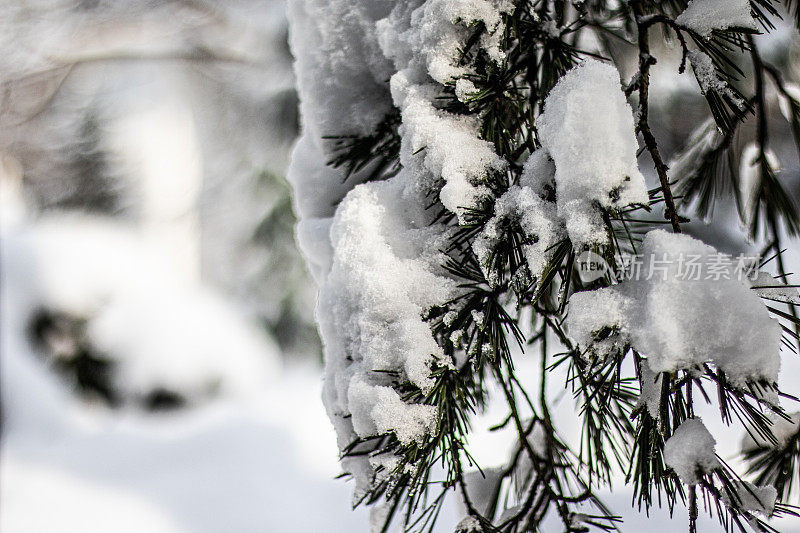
645	62
479	329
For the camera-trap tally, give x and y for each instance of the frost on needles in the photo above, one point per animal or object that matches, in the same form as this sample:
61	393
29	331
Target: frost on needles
458	158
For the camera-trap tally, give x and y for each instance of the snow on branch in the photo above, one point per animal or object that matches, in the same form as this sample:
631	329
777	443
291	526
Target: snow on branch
470	184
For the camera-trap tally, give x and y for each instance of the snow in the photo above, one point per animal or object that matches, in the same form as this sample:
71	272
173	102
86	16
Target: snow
66	496
594	153
678	321
246	467
257	461
465	89
383	277
469	525
536	218
424	41
340	69
709	79
590	312
266	465
313	239
436	143
691	449
161	331
371	247
650	396
429	38
539	173
752	498
704	16
378	410
375	253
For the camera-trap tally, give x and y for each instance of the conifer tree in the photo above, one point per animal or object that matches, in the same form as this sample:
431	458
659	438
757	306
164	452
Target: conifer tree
464	166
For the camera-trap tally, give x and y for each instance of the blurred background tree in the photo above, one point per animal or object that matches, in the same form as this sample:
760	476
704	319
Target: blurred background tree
175	119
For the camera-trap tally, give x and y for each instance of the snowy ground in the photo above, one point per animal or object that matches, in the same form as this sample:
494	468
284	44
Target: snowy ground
233	467
261	457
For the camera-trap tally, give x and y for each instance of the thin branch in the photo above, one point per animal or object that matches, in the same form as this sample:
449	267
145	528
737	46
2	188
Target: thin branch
645	62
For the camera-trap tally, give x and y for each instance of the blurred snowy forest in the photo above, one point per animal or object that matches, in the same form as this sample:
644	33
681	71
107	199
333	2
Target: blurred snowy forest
157	319
159	362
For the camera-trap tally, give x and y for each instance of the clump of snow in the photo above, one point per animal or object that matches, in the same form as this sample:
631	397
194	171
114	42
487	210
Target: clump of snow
536	218
529	205
751	498
691	449
371	247
704	16
424	40
430	37
382	279
469	525
384	464
650	396
709	79
539	174
678	321
598	320
465	89
594	152
340	69
378	410
439	145
341	77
